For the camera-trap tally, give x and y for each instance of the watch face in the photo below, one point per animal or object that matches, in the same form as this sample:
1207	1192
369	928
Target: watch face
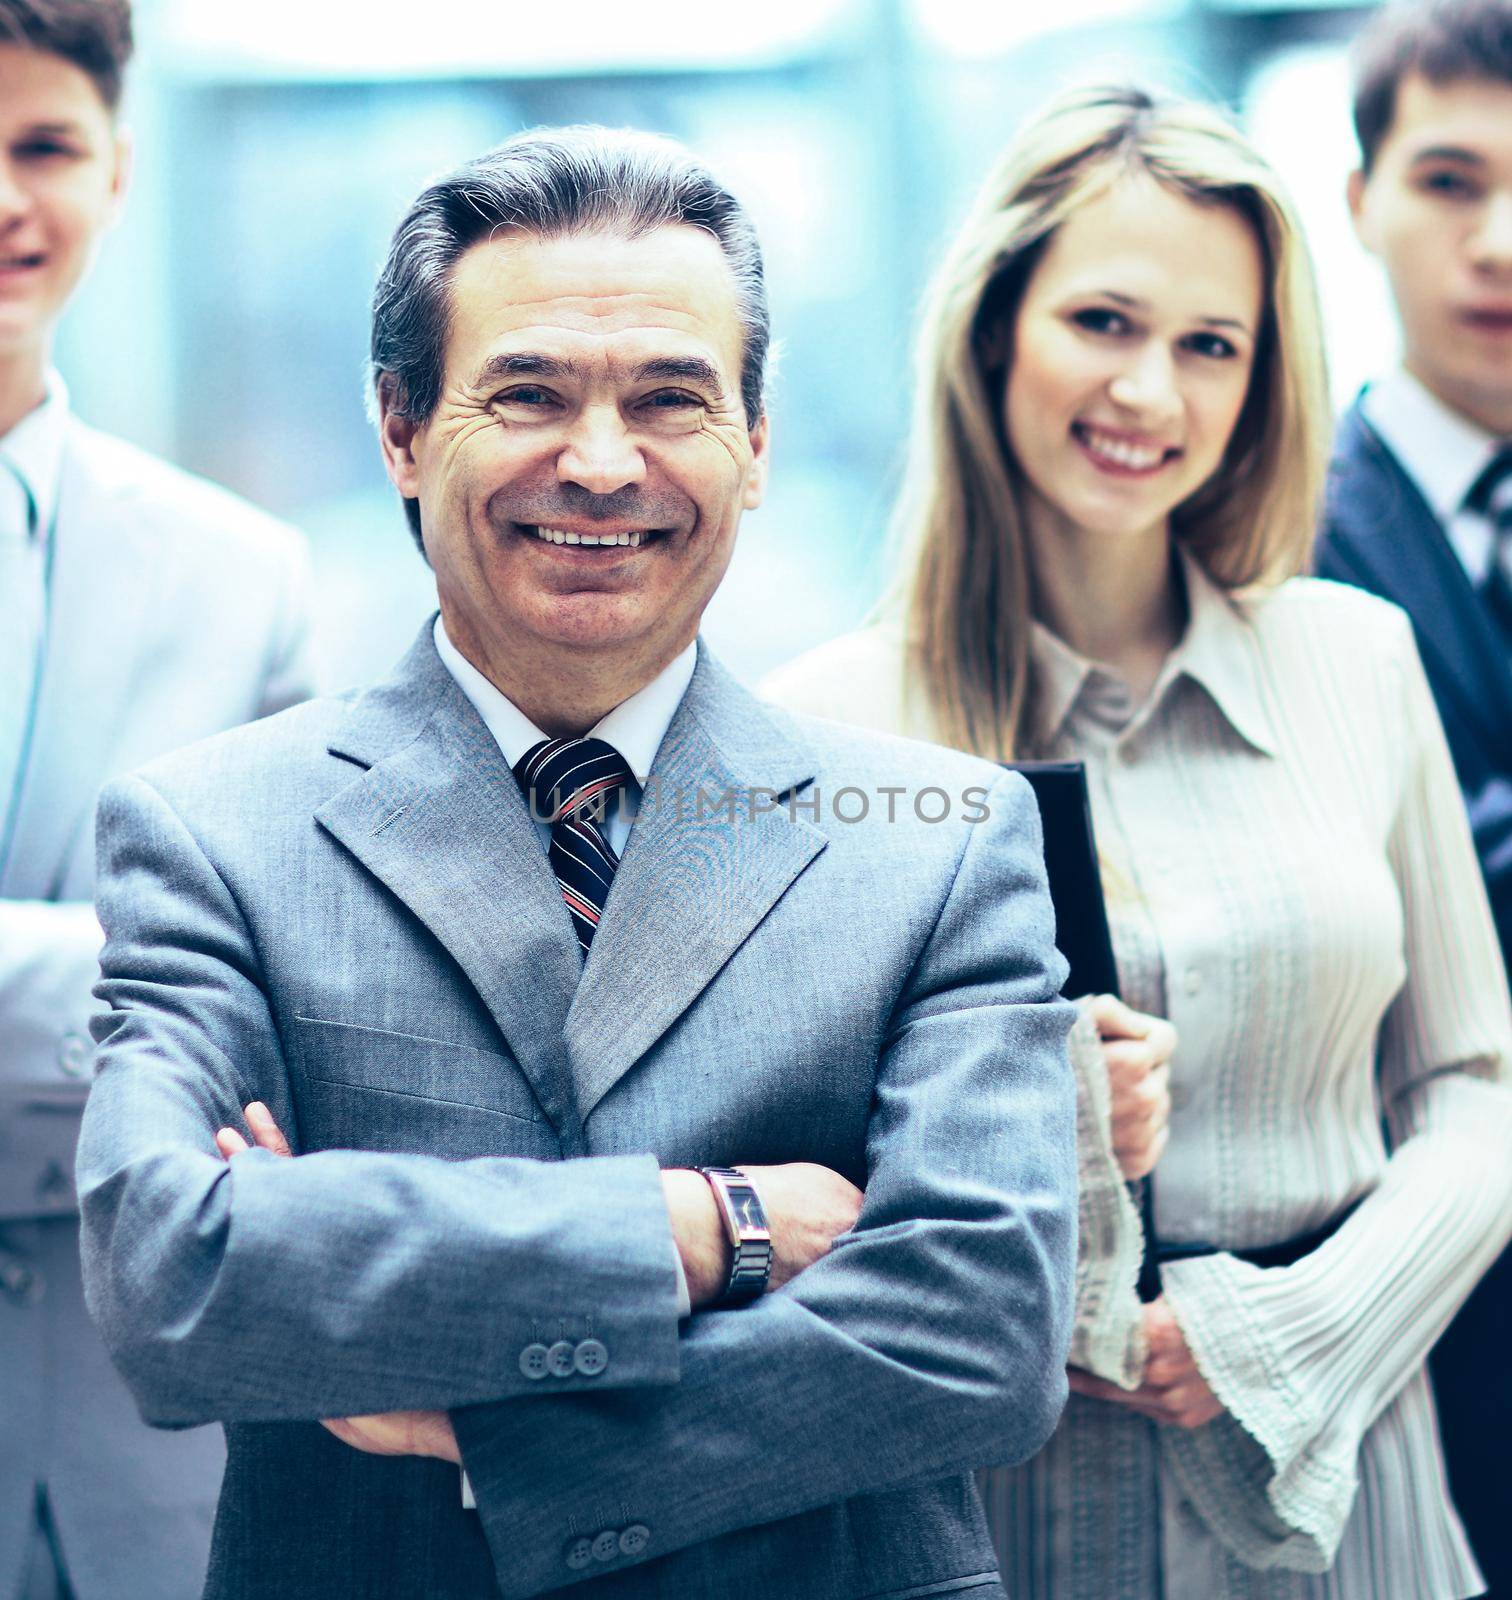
747	1208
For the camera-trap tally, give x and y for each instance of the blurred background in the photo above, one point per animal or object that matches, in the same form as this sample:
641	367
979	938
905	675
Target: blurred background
225	325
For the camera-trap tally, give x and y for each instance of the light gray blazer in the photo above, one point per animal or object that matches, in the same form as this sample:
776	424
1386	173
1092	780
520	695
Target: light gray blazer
176	611
347	912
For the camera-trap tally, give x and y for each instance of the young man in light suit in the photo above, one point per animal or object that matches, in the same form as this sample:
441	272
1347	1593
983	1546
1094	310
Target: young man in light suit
501	1032
139	609
1420	511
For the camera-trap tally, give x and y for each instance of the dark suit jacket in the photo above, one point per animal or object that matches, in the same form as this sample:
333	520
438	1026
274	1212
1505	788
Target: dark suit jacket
1380	535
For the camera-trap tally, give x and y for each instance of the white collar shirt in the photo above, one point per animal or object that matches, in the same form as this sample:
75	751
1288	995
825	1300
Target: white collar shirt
34	451
635	727
1443	453
1074	697
31	463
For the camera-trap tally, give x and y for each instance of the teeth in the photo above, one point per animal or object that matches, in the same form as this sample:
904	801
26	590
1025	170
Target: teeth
1122	452
557	536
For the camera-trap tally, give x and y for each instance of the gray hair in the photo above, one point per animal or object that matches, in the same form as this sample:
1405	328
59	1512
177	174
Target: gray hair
552	182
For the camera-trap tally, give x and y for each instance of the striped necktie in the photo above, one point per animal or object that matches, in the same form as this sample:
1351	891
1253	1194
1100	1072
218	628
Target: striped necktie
1490	496
569	783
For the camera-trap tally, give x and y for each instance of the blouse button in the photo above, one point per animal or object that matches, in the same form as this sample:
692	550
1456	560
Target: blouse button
1193	980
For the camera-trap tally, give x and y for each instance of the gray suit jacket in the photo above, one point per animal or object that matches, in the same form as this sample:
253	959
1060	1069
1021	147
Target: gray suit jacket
346	912
176	611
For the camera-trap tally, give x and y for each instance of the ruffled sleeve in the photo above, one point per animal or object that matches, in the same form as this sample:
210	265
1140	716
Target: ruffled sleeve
1305	1358
1108	1335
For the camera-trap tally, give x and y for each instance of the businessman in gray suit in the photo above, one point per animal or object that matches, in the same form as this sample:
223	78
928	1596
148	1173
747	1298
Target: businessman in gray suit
139	609
528	951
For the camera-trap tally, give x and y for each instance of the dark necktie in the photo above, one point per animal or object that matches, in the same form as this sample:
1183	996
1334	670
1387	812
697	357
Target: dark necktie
569	783
1491	497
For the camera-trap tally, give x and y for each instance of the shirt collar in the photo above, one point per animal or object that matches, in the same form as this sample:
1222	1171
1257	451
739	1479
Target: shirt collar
1058	675
635	727
34	448
1443	452
1216	651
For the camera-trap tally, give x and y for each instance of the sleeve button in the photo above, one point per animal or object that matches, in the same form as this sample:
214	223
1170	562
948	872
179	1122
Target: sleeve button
533	1361
559	1360
606	1546
634	1539
579	1554
591	1357
73	1054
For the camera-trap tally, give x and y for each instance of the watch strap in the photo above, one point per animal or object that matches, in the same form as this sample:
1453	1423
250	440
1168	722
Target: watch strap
746	1228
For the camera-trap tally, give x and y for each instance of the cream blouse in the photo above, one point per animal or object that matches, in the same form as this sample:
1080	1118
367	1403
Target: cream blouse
1291	881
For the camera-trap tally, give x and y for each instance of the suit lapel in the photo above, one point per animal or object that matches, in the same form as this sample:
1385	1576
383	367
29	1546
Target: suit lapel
438	818
1395	543
694	881
98	607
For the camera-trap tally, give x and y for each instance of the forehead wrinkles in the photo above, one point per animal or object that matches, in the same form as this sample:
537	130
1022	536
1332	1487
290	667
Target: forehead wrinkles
587	313
512	293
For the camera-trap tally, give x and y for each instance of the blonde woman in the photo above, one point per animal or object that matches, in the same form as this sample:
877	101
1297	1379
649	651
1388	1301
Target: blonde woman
1116	462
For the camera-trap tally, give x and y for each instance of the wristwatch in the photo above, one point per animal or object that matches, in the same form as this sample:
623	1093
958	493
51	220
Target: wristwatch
750	1239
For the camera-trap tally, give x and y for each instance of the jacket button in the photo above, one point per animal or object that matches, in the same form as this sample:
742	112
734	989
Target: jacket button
634	1539
533	1361
559	1359
73	1054
590	1358
579	1554
606	1546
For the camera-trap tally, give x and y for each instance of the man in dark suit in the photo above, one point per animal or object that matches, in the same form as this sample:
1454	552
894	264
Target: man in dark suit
1420	510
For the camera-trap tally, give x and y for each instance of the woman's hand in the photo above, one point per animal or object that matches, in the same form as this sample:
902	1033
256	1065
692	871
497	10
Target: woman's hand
1137	1049
1173	1392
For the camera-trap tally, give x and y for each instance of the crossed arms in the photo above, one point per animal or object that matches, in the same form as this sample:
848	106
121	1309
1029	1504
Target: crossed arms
931	1339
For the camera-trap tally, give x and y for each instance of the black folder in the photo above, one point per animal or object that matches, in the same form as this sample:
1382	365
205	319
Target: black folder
1081	926
1081	918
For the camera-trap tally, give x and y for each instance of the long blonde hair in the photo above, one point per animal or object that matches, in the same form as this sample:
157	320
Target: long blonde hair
964	584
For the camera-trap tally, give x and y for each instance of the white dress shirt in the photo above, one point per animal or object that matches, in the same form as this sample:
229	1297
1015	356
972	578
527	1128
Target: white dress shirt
1443	453
31	461
35	448
635	727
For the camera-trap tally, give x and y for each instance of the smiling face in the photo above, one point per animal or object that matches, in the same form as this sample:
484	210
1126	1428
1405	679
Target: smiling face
1437	210
1131	358
583	475
62	171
